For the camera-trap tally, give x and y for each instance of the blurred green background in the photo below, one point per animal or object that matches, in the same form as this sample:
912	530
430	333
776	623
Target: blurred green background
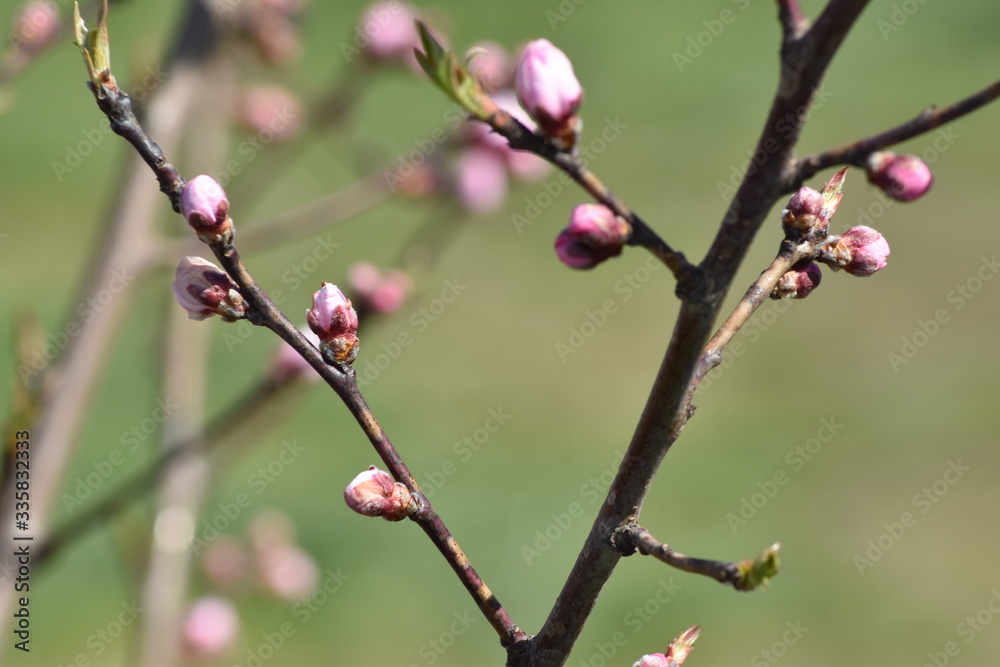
495	347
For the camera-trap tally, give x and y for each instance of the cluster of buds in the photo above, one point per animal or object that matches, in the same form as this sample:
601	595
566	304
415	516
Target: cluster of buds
860	251
203	290
594	234
676	653
902	177
549	91
375	493
375	291
268	560
334	320
205	207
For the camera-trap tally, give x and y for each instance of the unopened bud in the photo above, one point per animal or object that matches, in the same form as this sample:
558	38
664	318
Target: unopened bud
803	210
209	629
206	209
35	25
594	235
491	64
390	29
798	282
271	111
375	493
675	654
375	291
334	320
203	290
480	179
902	177
286	571
861	251
548	90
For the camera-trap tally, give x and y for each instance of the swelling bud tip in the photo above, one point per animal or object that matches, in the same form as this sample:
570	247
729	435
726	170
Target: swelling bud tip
203	290
335	321
548	90
375	493
205	207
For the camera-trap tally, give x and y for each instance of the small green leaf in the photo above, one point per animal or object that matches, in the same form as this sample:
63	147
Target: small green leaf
758	572
451	76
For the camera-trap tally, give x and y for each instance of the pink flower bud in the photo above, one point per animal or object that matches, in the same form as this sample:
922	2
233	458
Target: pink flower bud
861	251
491	64
480	180
289	364
35	25
803	210
598	226
902	177
375	493
548	89
652	660
225	562
209	629
334	320
286	571
203	289
390	30
269	110
205	207
798	283
377	292
594	235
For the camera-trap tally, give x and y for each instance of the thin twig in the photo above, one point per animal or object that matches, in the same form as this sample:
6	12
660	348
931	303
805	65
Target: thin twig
521	138
755	295
640	538
857	152
116	105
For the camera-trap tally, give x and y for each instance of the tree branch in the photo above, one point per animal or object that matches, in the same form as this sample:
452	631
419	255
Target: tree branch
929	119
746	575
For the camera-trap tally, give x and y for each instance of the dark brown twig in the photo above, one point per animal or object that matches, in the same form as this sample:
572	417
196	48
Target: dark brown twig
857	152
793	21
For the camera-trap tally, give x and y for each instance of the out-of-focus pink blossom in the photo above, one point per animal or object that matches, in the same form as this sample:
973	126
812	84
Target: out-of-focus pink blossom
389	31
225	563
35	25
286	571
209	629
289	364
270	111
480	179
491	64
375	291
